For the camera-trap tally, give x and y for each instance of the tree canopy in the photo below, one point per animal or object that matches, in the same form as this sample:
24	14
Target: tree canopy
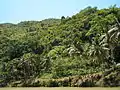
86	43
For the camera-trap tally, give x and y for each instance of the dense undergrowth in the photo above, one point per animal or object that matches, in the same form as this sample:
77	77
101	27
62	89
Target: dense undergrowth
40	53
108	78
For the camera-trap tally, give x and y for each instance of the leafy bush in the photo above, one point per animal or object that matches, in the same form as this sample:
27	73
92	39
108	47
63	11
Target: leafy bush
110	78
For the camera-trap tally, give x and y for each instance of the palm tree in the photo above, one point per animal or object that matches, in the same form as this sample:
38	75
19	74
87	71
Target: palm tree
111	37
98	50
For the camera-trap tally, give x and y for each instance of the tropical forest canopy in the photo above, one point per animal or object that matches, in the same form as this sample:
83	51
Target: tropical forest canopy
86	43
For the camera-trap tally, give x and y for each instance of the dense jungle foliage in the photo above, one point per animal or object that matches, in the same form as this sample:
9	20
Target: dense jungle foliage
87	43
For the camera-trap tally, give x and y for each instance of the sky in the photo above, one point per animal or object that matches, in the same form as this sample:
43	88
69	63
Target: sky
14	11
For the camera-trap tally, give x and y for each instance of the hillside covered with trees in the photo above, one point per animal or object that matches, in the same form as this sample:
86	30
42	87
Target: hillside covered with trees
82	50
